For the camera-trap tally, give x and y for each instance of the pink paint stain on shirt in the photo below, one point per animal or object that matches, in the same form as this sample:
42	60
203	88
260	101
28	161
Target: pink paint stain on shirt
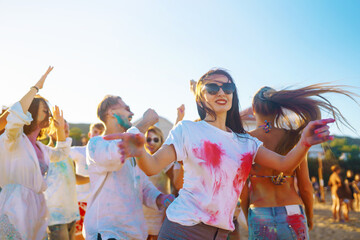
216	186
211	153
296	223
243	171
213	218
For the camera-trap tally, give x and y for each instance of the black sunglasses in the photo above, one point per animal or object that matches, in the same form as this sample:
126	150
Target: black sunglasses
155	139
213	88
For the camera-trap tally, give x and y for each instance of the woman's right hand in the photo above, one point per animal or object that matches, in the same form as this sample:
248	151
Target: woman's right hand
40	83
132	145
310	223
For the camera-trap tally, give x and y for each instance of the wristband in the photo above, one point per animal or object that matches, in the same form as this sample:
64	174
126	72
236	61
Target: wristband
37	89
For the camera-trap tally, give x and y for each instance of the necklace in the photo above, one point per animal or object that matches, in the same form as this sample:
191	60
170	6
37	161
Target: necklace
267	126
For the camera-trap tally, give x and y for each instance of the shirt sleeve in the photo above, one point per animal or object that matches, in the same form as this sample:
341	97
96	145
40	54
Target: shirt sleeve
177	139
15	123
60	152
104	156
78	155
149	191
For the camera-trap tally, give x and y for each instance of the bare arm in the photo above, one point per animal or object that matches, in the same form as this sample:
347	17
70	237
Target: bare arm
3	120
29	96
180	113
132	145
315	132
245	200
153	164
306	191
176	175
150	117
80	180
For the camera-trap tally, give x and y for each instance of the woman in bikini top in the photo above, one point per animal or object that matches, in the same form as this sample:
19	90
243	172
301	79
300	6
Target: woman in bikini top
279	130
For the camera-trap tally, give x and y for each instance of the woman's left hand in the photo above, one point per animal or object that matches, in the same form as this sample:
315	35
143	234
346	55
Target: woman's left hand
58	118
316	132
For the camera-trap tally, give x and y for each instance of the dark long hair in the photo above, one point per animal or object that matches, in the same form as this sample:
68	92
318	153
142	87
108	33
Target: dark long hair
233	120
34	109
294	109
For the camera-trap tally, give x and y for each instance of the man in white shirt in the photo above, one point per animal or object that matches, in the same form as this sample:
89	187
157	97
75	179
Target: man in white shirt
78	155
118	189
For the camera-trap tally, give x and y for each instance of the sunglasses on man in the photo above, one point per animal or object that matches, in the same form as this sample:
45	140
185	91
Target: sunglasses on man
213	88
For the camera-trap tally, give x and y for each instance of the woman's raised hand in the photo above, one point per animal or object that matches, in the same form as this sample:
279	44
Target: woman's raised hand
193	84
132	145
58	118
40	83
180	113
316	132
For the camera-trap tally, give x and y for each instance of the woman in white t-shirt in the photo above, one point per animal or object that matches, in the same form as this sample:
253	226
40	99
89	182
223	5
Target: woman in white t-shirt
217	155
24	163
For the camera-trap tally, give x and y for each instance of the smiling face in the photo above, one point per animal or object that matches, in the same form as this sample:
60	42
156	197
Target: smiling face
122	112
43	115
153	142
219	102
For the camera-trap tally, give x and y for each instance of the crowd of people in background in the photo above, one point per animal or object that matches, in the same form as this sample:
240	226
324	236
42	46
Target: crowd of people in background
345	193
131	182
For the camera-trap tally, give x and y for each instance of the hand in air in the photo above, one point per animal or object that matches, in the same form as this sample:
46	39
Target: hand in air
151	117
180	113
193	84
316	132
164	200
40	83
58	118
131	145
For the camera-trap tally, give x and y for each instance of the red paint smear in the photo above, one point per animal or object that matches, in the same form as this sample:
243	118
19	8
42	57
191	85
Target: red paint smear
211	153
243	171
213	217
216	187
296	222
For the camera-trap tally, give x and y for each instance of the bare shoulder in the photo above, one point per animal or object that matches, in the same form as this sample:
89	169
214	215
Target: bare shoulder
269	139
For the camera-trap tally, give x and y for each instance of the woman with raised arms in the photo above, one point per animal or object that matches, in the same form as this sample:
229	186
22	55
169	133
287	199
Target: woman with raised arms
217	154
24	162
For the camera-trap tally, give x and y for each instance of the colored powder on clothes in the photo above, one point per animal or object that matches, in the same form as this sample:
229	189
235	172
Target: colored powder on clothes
296	223
211	153
213	217
216	186
243	171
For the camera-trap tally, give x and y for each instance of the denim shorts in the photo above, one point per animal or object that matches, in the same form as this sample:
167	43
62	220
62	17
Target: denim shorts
277	223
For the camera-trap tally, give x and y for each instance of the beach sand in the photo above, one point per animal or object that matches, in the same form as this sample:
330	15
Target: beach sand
325	228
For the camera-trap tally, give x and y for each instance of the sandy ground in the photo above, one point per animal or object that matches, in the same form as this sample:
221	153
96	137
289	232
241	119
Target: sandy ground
325	228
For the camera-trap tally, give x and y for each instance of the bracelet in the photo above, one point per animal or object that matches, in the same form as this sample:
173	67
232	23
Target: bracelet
37	89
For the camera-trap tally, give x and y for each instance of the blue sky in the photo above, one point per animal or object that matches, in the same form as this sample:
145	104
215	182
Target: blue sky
147	51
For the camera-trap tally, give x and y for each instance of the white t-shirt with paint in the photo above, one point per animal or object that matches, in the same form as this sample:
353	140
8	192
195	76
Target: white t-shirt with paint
118	191
60	195
216	166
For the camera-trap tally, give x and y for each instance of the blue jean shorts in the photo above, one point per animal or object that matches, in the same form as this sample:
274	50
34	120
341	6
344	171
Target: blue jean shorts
288	222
